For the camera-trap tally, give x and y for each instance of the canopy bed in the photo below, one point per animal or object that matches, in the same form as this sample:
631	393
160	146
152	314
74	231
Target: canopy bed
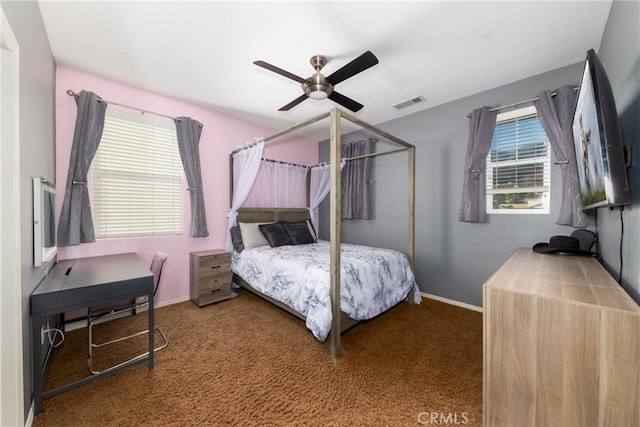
391	283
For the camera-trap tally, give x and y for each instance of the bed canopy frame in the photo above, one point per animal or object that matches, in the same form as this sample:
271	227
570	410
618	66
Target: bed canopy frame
254	215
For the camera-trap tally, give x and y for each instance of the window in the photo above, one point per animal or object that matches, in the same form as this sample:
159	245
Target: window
518	164
137	185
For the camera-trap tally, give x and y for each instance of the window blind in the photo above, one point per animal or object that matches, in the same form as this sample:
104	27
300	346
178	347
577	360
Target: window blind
518	164
137	187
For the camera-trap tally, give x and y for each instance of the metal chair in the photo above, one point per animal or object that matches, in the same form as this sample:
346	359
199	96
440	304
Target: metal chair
104	313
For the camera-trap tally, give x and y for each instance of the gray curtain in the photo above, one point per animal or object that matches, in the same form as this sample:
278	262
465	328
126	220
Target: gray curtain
76	222
356	174
556	115
481	126
188	132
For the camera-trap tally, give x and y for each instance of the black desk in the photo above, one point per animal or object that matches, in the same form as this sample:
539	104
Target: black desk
81	283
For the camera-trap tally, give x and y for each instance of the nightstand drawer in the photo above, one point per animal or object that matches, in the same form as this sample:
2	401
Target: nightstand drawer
214	272
214	294
215	280
217	260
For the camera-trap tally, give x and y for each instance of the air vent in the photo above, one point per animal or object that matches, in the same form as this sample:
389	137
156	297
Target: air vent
408	102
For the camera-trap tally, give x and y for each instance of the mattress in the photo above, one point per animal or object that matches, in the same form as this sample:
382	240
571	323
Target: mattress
372	280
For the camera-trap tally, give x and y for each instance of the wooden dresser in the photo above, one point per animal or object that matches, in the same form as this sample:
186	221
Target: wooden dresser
561	345
210	276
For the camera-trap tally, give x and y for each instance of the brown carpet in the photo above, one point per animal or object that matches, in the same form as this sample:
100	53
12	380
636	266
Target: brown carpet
246	362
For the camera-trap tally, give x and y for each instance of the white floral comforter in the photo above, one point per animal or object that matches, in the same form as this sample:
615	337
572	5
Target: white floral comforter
372	280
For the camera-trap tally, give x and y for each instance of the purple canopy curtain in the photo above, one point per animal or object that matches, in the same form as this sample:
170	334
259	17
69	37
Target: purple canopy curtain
76	222
279	185
556	115
188	133
481	126
356	202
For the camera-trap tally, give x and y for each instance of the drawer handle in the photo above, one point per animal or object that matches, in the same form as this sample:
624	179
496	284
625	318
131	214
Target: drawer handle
216	266
213	291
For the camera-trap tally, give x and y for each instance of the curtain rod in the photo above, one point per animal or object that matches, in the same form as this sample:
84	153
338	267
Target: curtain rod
516	104
72	93
284	163
379	153
319	165
346	159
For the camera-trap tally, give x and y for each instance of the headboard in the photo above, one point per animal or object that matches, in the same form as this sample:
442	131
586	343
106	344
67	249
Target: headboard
272	214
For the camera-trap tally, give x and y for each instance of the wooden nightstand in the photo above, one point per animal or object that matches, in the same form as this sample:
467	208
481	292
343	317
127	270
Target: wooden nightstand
210	276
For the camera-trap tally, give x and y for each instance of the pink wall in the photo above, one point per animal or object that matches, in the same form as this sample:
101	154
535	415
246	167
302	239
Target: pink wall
220	135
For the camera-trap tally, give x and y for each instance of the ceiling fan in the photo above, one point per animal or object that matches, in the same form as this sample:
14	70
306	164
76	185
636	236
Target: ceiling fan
320	87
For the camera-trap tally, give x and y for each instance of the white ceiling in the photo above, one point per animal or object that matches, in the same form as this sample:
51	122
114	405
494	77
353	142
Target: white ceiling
203	52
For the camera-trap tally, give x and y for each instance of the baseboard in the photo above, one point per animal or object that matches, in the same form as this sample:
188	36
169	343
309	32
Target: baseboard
83	323
452	302
173	301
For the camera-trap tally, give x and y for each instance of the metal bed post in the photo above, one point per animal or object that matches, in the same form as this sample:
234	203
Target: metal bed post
335	229
412	205
411	195
231	178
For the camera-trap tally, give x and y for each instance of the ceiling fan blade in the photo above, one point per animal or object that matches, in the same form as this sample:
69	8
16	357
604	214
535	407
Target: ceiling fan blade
361	63
279	71
293	103
345	101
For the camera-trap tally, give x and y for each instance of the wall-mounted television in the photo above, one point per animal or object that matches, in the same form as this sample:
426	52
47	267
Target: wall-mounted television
598	145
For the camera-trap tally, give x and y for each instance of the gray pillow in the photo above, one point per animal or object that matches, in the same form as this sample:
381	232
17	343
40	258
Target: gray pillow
299	233
275	234
236	239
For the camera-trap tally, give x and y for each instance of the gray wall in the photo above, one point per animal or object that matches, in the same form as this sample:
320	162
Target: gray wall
37	83
453	259
620	55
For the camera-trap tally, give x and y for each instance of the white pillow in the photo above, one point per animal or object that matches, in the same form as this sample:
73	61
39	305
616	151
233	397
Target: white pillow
251	235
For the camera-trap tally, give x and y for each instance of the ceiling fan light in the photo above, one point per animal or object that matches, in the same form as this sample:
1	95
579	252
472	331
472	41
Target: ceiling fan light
318	94
317	87
317	90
